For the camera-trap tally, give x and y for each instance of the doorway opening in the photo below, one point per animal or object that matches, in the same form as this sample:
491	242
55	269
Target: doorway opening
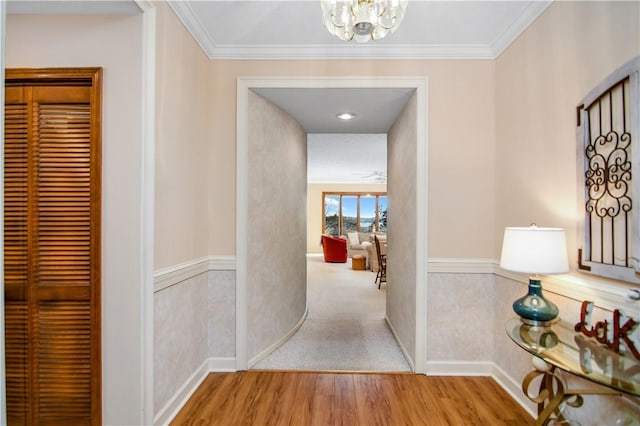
345	328
411	333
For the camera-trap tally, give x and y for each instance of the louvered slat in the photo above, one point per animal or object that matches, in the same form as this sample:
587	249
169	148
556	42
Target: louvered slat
15	202
17	360
63	195
16	263
64	361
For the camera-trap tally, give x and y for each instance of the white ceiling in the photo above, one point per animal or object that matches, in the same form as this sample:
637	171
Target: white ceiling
316	109
293	29
347	158
290	29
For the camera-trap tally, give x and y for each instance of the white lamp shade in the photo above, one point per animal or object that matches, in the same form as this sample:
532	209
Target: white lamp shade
534	250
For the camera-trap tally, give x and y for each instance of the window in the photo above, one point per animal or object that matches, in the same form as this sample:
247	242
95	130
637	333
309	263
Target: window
344	212
609	166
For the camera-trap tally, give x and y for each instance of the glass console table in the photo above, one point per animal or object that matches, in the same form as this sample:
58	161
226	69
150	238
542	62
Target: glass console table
558	346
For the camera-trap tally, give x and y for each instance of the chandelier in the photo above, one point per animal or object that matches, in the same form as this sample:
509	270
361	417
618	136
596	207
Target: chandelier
362	20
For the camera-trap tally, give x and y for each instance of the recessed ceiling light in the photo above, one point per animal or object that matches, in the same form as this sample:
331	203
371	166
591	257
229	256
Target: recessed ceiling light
347	115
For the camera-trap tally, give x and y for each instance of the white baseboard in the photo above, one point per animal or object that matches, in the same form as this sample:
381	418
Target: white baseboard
434	368
514	389
399	342
175	404
459	368
263	354
483	368
222	365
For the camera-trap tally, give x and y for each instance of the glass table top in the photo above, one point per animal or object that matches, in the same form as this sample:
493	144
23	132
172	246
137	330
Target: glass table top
561	346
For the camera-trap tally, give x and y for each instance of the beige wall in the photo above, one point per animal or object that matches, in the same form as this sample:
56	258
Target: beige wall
277	220
315	207
540	79
182	312
182	144
461	135
114	43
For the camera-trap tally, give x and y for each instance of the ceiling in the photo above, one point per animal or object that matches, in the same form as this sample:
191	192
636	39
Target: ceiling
347	158
316	109
290	29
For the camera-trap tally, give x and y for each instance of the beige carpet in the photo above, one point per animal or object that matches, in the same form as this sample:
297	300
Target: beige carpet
345	327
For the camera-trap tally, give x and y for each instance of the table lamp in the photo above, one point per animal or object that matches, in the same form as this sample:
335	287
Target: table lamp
535	251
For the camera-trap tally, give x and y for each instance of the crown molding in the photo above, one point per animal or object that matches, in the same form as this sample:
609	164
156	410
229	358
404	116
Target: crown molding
192	23
518	26
349	51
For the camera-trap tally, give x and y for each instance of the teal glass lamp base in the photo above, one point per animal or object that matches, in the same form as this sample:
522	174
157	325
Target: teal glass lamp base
533	308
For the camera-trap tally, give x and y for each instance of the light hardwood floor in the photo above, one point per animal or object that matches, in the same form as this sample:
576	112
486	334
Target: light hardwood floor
313	398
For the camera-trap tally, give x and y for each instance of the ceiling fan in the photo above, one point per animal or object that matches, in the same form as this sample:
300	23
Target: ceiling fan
377	176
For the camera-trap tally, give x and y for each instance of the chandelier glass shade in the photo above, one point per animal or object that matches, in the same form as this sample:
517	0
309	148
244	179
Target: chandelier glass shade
362	20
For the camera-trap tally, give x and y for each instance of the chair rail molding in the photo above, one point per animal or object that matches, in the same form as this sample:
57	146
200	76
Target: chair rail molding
605	293
172	275
461	266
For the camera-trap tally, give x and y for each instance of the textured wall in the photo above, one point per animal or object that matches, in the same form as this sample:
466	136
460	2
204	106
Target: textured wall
277	212
180	338
221	314
194	320
114	43
455	302
401	241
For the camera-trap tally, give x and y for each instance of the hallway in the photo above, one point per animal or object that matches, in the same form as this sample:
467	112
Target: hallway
345	329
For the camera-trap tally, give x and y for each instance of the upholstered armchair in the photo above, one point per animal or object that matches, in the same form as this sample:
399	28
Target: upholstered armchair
355	242
334	249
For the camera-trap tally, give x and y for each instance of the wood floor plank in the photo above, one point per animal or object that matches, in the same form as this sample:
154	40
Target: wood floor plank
261	398
346	409
323	409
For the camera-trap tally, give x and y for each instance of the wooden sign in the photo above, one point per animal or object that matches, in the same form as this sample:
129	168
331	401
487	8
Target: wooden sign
600	330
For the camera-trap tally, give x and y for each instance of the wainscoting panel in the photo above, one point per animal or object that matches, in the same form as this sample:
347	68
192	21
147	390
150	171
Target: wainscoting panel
180	335
460	317
194	329
469	301
220	315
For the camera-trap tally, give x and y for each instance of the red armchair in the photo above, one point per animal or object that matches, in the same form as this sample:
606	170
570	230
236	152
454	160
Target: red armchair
334	249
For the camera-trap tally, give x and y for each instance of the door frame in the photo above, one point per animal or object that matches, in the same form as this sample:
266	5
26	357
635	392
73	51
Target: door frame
244	85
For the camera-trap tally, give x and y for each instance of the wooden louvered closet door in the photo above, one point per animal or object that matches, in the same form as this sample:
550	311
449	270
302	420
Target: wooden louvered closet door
52	246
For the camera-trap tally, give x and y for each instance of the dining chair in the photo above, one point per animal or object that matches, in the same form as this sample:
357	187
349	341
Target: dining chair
381	276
